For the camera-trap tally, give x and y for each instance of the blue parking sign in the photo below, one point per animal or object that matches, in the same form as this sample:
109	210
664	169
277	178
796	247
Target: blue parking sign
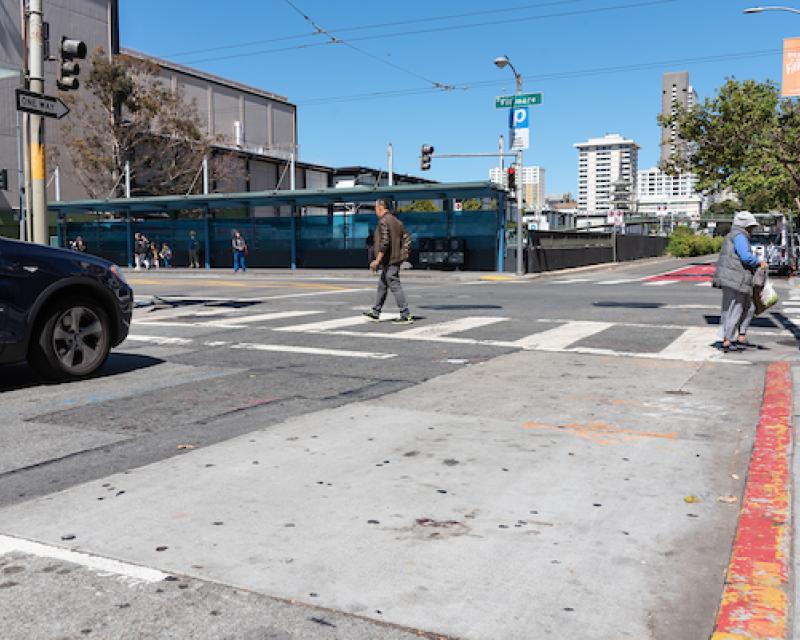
518	118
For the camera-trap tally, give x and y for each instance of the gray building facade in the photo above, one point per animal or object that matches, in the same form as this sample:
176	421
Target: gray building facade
675	91
257	127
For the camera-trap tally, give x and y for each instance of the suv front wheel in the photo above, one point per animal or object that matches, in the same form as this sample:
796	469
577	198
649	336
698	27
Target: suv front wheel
73	340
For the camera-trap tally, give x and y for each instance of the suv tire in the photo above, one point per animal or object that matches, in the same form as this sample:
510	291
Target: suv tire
73	339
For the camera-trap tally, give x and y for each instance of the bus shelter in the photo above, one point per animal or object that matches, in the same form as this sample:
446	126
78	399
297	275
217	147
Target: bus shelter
457	225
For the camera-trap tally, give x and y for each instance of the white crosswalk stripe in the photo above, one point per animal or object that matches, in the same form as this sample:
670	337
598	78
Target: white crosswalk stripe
694	344
570	281
337	323
561	337
658	283
620	281
233	322
453	326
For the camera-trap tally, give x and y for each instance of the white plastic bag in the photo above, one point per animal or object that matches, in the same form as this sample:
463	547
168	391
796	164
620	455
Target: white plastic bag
764	297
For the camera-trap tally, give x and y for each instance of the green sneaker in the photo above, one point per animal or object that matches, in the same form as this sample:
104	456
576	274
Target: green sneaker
372	314
409	319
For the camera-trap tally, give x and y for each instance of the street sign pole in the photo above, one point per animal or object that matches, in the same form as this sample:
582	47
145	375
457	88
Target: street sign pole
41	232
520	270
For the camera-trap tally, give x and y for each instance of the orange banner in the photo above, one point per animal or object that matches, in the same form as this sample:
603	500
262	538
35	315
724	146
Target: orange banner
791	67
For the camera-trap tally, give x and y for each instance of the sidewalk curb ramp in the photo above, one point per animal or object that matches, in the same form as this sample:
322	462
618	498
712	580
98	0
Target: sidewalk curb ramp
756	596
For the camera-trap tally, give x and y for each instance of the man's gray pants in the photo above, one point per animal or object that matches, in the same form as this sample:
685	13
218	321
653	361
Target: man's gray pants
737	313
390	279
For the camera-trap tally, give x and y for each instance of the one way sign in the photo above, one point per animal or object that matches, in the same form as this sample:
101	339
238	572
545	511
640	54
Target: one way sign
47	106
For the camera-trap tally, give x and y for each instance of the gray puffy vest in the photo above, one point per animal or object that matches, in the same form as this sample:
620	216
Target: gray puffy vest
730	272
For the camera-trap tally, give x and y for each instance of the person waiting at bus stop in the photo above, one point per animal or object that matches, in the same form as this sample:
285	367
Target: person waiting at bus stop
734	275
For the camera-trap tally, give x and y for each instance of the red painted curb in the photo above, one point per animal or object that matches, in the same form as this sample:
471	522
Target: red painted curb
755	599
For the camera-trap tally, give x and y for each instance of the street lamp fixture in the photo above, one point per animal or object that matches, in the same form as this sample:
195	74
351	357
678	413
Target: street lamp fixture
501	62
762	9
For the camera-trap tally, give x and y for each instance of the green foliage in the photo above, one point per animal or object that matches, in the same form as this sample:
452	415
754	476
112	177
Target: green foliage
683	243
130	113
419	206
723	209
472	204
746	138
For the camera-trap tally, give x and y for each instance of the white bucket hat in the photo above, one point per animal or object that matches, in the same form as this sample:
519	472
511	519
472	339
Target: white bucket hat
744	219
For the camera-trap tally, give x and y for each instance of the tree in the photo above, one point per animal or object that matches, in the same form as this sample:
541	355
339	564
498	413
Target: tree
130	113
423	206
747	139
724	208
472	204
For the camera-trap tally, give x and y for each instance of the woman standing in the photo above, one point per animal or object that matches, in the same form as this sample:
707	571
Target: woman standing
239	248
734	275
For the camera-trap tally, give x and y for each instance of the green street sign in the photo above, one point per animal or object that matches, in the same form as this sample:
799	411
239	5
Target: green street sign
524	100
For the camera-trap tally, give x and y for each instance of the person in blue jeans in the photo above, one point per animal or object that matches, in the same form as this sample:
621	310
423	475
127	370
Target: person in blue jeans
239	248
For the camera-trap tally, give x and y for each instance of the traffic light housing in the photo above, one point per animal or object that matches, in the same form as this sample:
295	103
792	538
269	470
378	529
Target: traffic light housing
3	179
512	180
68	69
425	153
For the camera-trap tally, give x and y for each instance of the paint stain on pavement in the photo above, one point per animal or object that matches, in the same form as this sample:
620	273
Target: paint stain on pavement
599	431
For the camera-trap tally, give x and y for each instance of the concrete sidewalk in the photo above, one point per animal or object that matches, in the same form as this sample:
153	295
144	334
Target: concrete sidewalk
531	496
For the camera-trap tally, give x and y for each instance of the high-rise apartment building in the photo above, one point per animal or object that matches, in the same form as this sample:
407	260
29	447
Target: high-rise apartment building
659	193
602	162
675	92
533	185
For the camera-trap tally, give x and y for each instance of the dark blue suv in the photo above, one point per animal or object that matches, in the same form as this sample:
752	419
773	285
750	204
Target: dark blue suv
60	310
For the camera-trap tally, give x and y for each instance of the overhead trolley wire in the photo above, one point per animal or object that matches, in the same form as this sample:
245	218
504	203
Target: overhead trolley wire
562	14
378	25
579	73
336	40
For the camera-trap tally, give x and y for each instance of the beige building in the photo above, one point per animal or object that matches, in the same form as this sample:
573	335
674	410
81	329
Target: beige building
259	127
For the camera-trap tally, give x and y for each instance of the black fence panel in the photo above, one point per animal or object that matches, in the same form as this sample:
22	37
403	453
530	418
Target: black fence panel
636	247
540	259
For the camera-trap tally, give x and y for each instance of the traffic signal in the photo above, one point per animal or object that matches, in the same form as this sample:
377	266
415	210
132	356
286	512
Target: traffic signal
512	180
3	179
425	154
68	70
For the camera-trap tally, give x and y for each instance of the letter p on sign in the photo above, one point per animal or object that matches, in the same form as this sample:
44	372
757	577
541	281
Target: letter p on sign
518	118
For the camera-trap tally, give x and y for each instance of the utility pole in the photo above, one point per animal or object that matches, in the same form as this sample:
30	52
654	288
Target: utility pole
41	231
520	268
391	165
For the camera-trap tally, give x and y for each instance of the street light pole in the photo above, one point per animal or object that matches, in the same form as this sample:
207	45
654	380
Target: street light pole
500	63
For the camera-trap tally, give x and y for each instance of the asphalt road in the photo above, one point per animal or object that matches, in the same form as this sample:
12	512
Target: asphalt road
512	465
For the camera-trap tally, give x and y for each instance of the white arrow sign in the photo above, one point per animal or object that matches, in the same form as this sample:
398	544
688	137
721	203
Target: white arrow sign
47	106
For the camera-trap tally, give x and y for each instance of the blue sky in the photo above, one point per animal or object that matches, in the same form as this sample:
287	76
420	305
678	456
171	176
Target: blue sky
575	42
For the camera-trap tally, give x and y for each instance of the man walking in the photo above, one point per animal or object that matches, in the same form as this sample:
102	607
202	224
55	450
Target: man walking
392	246
192	245
734	275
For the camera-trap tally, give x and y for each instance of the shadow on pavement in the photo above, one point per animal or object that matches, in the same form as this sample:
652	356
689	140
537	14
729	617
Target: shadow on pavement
789	326
22	376
762	322
459	307
630	305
